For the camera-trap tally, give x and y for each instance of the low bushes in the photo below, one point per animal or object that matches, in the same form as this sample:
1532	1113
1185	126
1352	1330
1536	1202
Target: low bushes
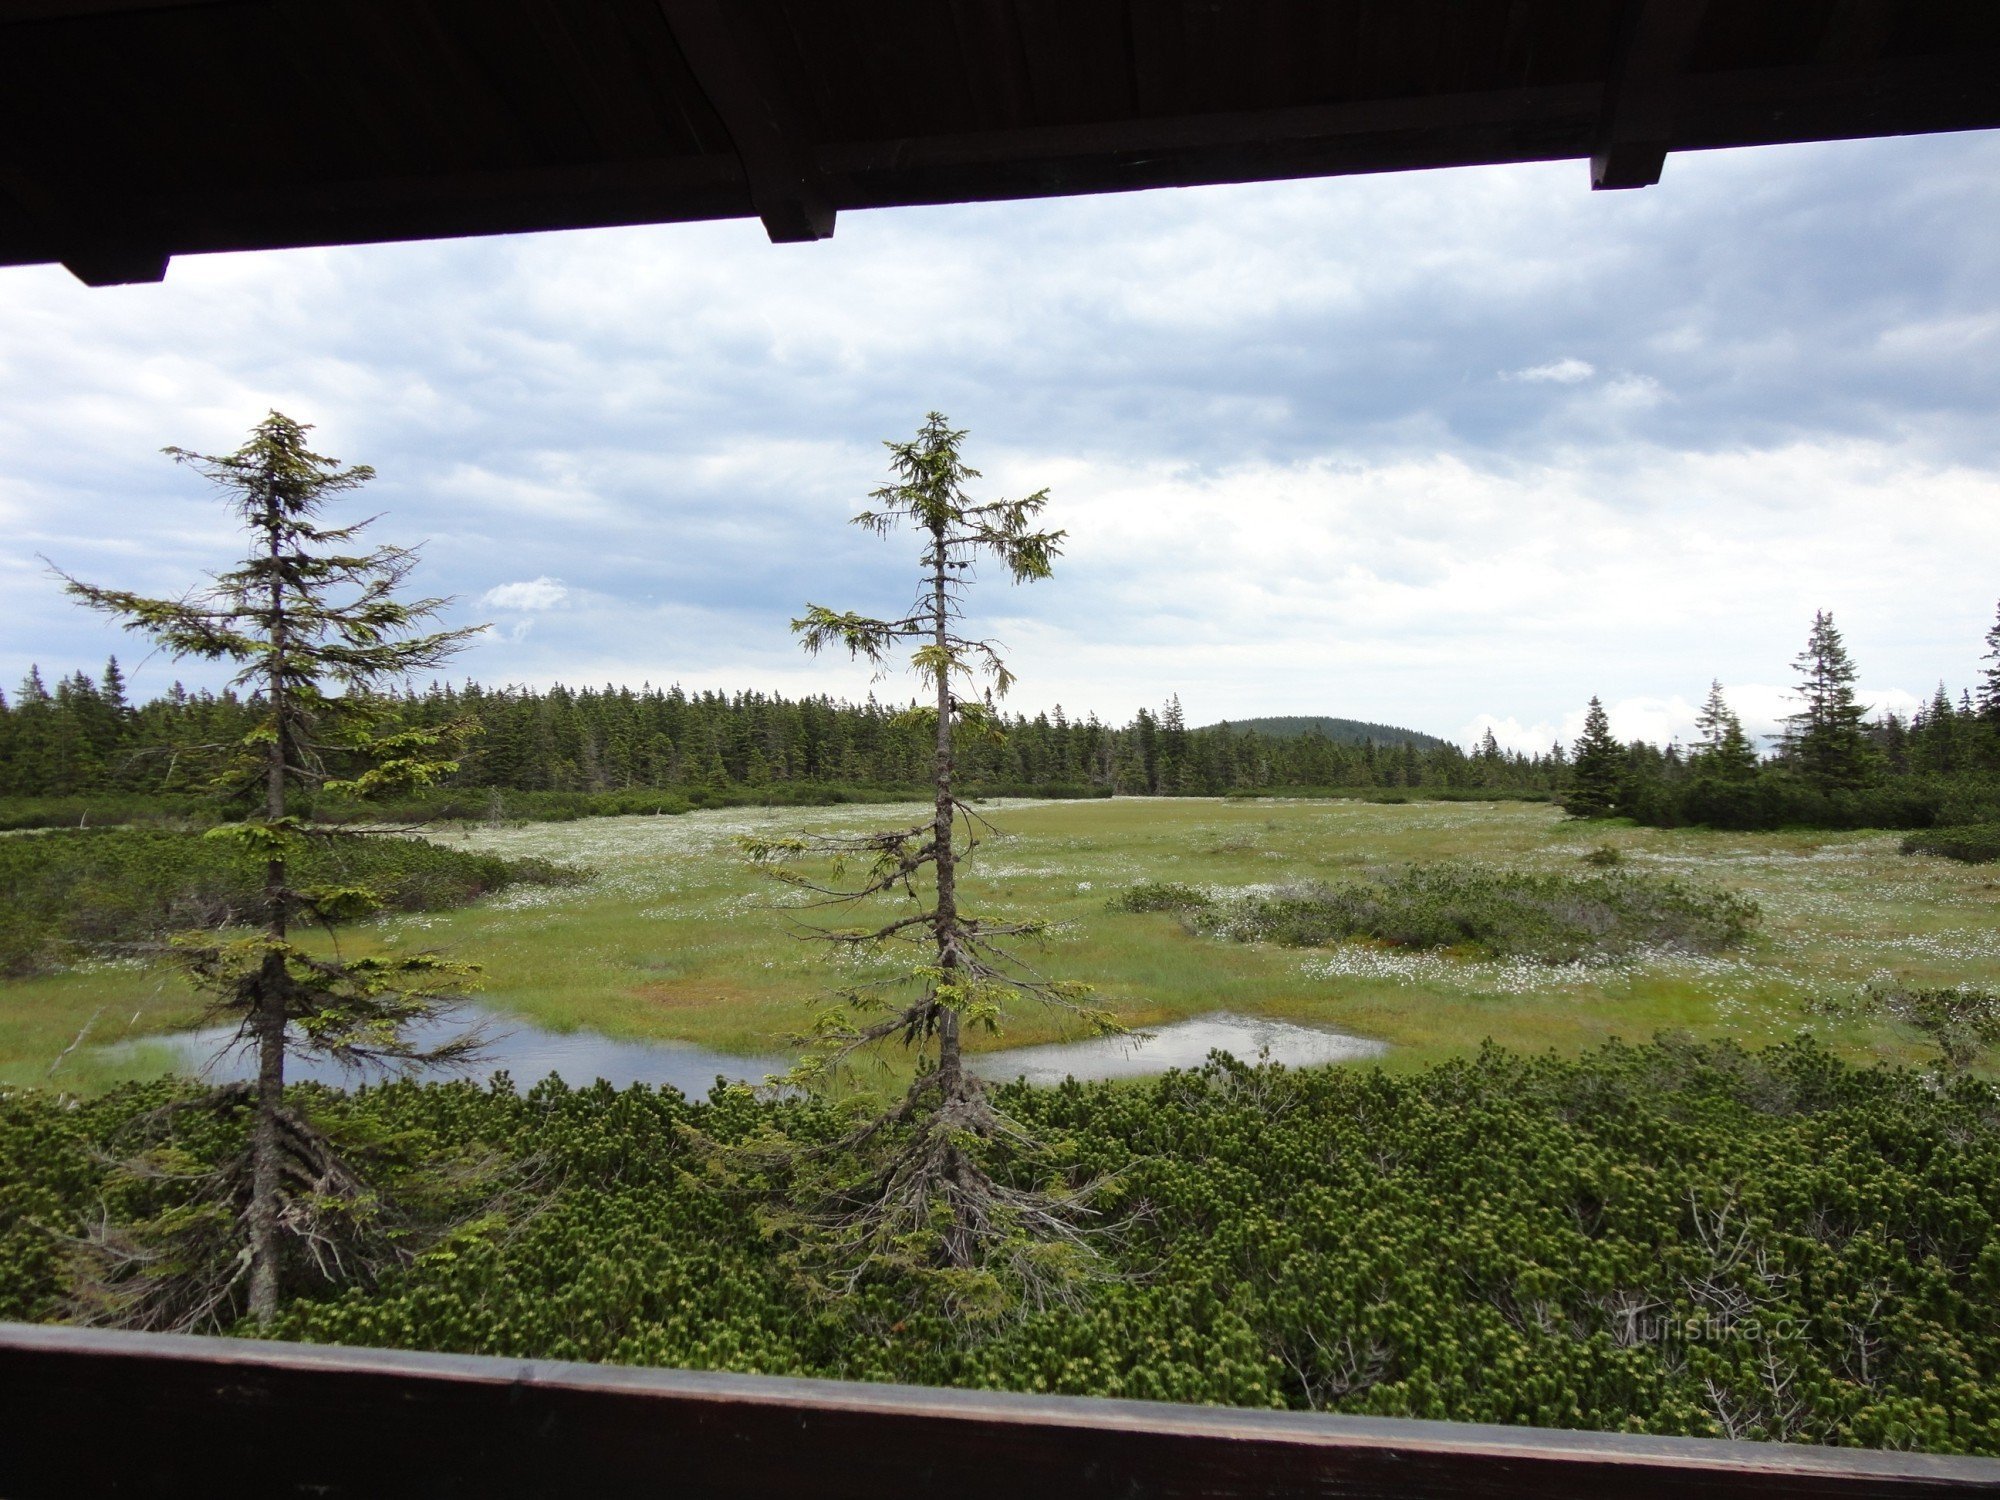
64	893
1673	1238
1775	798
1962	1020
495	804
1160	895
101	809
1552	918
1974	844
1397	795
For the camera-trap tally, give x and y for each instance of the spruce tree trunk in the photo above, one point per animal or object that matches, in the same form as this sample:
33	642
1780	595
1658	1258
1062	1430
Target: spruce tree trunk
950	1068
268	1019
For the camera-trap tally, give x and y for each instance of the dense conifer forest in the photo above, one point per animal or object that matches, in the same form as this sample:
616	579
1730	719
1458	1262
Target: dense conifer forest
1831	766
82	737
81	748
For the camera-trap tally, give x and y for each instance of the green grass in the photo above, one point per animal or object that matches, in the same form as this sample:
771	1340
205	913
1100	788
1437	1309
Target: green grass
680	938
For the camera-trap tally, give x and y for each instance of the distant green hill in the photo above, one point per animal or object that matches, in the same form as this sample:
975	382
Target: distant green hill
1340	731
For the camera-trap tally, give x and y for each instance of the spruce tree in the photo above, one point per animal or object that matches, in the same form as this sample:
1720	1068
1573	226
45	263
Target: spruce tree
1989	678
1597	769
1825	741
1937	737
911	1189
33	753
1146	749
315	627
1175	776
1725	751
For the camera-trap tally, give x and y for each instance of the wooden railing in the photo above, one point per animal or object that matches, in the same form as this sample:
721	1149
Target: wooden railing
86	1412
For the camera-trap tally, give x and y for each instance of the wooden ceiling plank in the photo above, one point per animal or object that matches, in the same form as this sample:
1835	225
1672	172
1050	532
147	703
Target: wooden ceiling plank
1157	37
1484	63
822	62
504	49
787	188
1636	126
996	69
449	119
1078	66
860	83
287	75
367	105
599	80
906	50
670	90
1457	45
1857	30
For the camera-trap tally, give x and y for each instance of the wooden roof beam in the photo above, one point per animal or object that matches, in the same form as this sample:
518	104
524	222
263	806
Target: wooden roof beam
94	259
70	10
787	188
1636	125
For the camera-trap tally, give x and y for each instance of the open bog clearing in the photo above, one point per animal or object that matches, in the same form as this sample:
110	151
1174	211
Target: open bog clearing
680	939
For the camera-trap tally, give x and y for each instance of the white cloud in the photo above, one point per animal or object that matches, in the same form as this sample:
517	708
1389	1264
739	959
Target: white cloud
1762	707
1633	392
536	593
1568	370
1292	479
1412	591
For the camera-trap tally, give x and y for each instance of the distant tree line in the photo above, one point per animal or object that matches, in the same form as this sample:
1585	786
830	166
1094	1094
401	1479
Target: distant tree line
83	736
1832	766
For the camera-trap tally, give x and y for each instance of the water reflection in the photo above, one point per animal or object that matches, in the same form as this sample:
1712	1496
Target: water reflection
523	1049
529	1053
1184	1044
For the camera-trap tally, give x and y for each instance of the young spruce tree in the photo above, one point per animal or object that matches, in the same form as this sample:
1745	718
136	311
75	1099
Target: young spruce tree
910	1191
1725	750
314	626
1597	769
1825	741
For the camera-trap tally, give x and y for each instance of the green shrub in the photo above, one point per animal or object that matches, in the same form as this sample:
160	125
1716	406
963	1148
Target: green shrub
102	809
1604	856
489	804
1396	796
1160	895
1962	1020
1498	913
1778	798
66	893
1674	1238
1975	844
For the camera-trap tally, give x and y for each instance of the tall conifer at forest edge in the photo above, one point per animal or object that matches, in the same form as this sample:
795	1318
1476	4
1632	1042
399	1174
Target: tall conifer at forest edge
1989	678
910	1189
316	628
1597	769
1825	741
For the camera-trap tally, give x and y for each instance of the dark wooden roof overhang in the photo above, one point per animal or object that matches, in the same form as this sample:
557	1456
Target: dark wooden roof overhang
135	130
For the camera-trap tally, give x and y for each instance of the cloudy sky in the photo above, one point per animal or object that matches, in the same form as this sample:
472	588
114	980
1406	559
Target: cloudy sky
1448	450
